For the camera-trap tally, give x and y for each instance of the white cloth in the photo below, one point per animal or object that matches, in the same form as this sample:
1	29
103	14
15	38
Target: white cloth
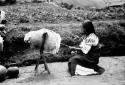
91	40
84	71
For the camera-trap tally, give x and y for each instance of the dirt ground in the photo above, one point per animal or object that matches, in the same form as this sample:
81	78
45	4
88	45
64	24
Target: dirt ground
114	74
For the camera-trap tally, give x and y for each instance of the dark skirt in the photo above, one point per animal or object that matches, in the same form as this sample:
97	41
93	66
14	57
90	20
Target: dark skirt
82	60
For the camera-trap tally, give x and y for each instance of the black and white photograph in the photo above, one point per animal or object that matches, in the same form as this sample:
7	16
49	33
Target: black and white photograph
62	42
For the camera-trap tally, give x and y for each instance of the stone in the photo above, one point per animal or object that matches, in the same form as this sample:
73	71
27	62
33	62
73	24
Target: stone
13	72
3	72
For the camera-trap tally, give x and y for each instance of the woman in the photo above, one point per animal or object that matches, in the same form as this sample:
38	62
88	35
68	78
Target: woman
88	51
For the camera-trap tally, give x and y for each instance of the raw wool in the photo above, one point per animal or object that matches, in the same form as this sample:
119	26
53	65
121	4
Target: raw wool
2	16
1	43
43	37
52	43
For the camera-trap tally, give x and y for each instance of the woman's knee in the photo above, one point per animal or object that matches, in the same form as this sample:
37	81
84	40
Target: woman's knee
72	68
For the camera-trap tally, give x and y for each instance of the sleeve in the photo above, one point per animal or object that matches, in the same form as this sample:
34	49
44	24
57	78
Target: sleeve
84	47
92	40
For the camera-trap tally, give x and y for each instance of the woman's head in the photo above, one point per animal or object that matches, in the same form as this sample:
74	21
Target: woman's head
87	27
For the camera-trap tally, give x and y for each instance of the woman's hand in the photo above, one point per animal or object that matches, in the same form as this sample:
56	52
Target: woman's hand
100	45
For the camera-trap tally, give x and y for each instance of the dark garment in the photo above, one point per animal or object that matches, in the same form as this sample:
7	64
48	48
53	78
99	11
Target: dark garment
3	22
89	60
92	56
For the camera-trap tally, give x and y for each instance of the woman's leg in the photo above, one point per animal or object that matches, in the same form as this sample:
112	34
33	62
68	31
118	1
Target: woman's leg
99	69
72	66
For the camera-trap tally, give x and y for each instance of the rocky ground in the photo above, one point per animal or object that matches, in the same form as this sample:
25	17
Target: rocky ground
114	74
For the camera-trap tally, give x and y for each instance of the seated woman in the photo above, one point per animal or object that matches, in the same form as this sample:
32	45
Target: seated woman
88	52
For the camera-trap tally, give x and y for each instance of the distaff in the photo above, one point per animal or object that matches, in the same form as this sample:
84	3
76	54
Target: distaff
46	41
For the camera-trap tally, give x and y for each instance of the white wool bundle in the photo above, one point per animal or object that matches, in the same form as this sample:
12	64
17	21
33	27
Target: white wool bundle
2	16
52	43
1	43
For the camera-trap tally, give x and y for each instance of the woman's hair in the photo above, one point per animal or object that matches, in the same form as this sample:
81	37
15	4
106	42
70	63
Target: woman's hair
87	27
